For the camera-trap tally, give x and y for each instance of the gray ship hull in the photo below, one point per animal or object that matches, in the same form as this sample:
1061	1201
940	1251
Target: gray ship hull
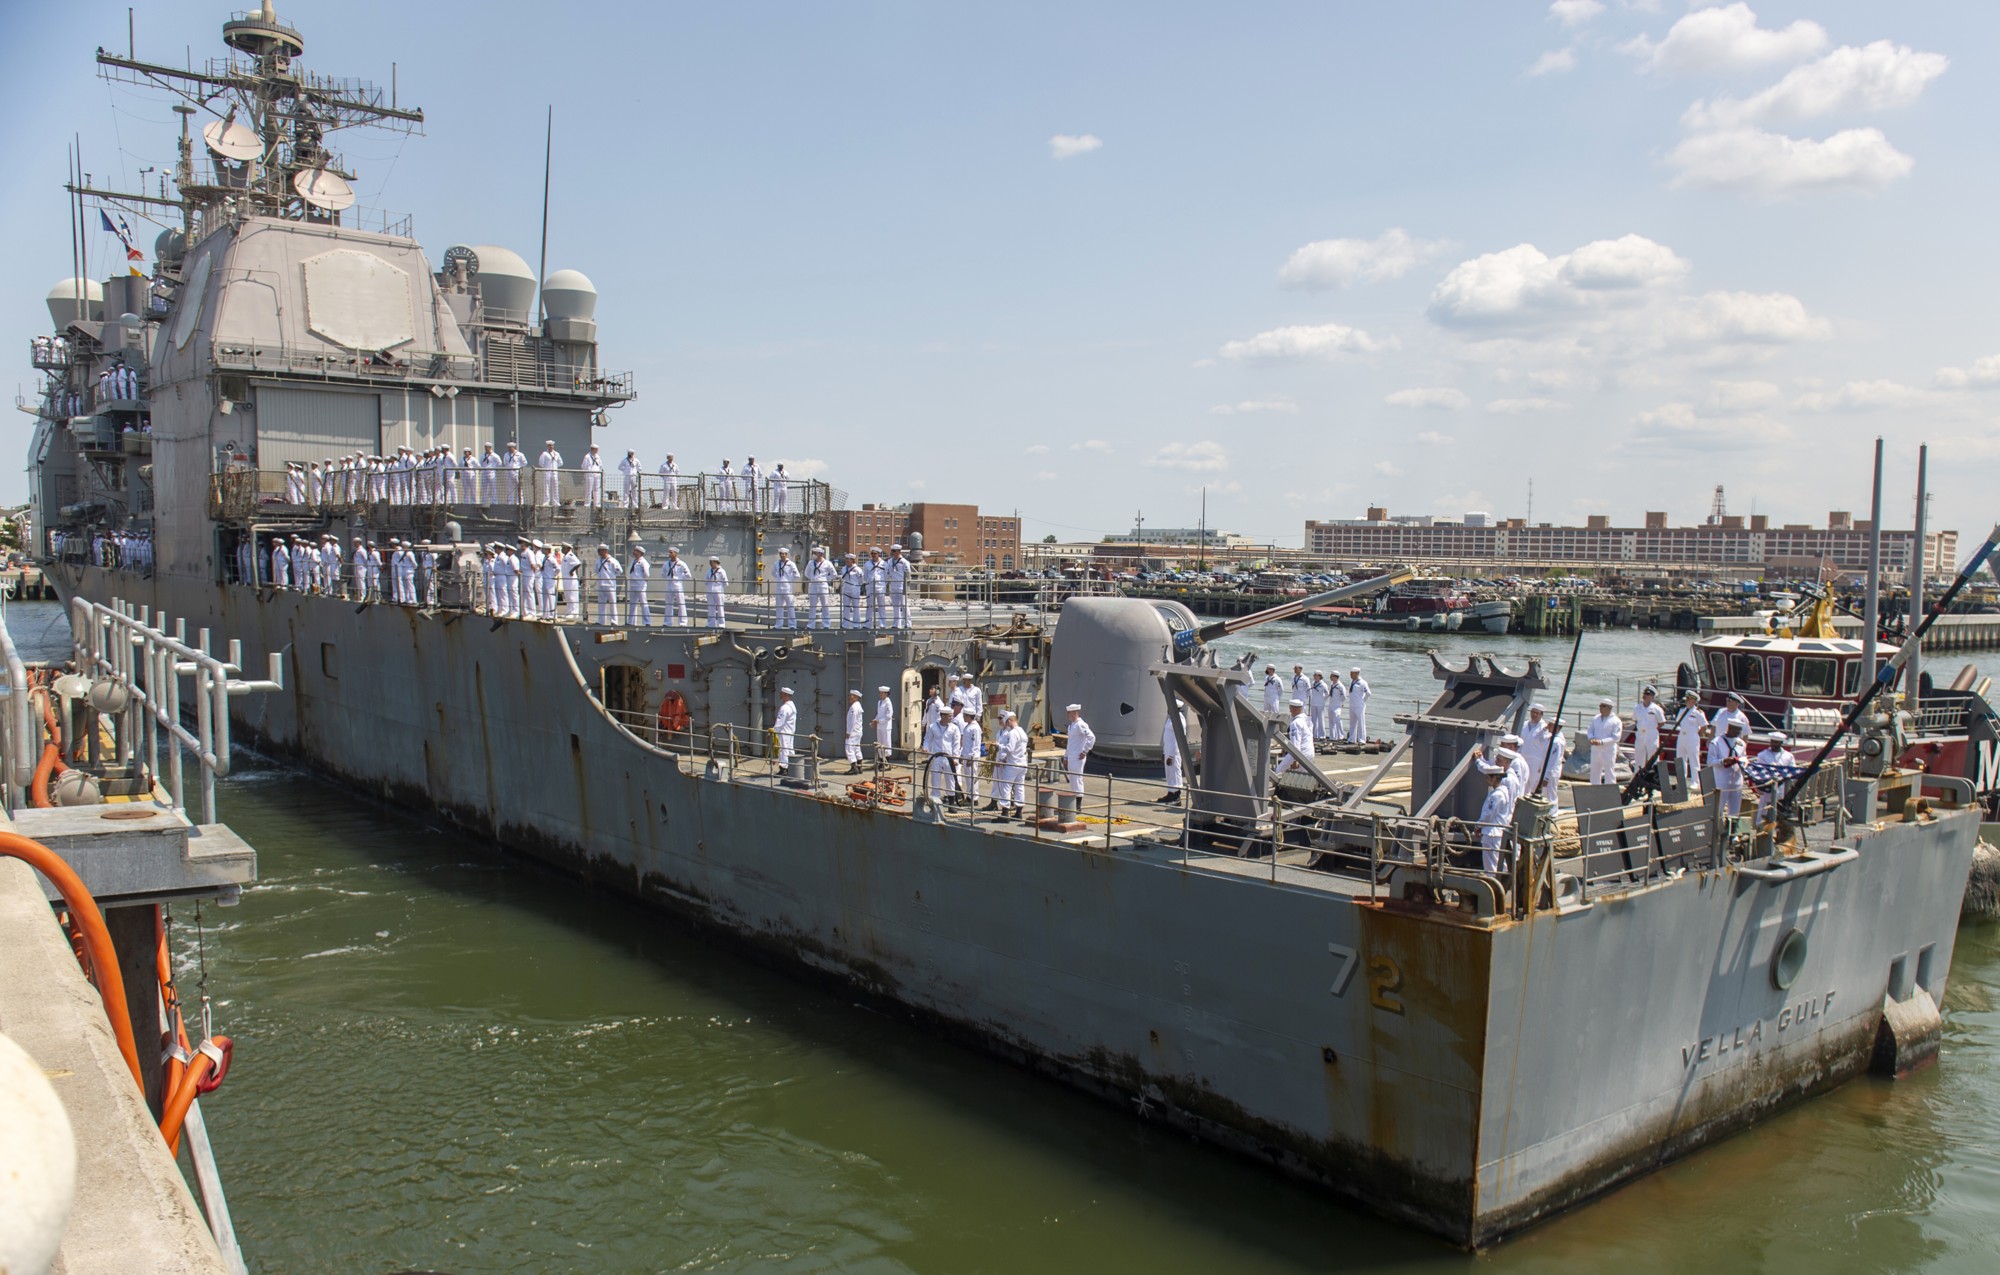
1468	1079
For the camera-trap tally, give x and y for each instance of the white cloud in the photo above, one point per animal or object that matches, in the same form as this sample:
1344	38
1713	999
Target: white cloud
1524	406
1574	13
1388	469
1440	397
1253	406
1677	426
1299	343
1862	396
917	484
1554	62
1760	318
1752	160
1984	373
1070	145
1095	445
1230	488
1522	282
1046	474
1204	457
802	469
1877	77
1739	396
1337	263
1431	438
1038	449
1727	38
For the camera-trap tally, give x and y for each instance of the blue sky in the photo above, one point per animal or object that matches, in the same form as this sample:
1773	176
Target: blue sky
1318	256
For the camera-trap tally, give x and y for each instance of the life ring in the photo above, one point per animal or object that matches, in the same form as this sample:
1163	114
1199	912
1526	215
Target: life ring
674	715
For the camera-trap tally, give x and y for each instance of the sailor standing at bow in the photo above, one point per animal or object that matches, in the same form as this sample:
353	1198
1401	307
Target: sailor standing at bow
715	589
1077	743
638	586
897	572
885	725
1689	752
1274	691
1604	732
1648	718
1357	707
819	579
1170	752
783	577
678	577
593	477
511	466
1299	733
786	724
628	480
1010	765
971	751
877	580
851	734
608	572
547	472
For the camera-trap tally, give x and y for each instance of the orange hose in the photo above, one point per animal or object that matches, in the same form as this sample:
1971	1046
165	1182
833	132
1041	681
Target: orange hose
51	763
174	1111
97	939
176	1025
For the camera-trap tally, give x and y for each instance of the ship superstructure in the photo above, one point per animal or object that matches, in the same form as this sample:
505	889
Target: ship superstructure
1321	974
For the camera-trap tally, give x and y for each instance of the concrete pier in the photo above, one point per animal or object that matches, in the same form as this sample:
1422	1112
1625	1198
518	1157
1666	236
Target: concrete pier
133	1211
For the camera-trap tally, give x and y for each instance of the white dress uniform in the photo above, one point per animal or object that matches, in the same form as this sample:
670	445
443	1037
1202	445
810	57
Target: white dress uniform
971	751
1316	707
678	577
1689	756
878	592
1336	705
551	568
885	724
608	572
628	480
852	584
1495	814
897	572
1170	751
715	587
281	566
786	724
547	474
638	592
851	740
941	746
489	476
1300	732
1604	732
1647	721
530	559
1725	759
819	580
511	466
1010	766
752	475
670	483
1724	716
780	484
404	571
593	478
1357	710
572	569
1776	755
784	615
1076	752
1538	742
358	568
1274	694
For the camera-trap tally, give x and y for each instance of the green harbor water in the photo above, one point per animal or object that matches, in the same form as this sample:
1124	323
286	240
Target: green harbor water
448	1058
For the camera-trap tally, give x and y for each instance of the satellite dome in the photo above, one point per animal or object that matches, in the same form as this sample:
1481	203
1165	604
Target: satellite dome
170	248
63	308
569	294
505	281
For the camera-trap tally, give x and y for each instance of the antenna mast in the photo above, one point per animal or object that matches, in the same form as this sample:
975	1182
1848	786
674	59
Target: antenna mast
542	271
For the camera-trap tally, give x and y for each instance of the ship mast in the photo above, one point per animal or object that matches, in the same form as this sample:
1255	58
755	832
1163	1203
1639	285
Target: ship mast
266	143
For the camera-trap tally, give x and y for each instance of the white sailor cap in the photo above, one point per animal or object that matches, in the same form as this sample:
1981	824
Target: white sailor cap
1354	672
1488	768
1510	738
1777	737
784	690
958	699
883	689
1298	703
714	558
1072	708
1733	695
894	548
785	551
855	693
1006	714
819	548
1508	753
1648	690
1607	702
965	677
1537	708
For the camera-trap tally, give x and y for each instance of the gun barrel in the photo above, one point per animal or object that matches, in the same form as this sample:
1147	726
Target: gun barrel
1389	579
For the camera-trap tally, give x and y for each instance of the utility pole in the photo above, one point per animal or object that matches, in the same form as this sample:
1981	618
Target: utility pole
1202	533
1139	526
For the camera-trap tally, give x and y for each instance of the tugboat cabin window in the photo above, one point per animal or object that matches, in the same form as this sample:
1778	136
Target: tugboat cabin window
1812	675
1746	672
1718	668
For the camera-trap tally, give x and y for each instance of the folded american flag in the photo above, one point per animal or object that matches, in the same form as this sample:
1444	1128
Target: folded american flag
1764	772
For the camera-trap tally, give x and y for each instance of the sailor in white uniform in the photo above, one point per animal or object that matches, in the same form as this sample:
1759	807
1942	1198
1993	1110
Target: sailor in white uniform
489	476
1274	690
1648	719
747	481
1357	707
1010	765
786	724
715	588
1725	761
819	579
1078	740
851	736
628	480
1604	732
975	699
938	774
1315	698
1299	732
1495	814
670	482
1302	689
570	568
608	572
971	751
1542	747
1776	753
678	577
1336	707
548	468
877	579
885	725
781	486
1689	752
852	585
281	564
638	590
1170	752
897	572
783	576
593	477
358	570
1731	712
510	471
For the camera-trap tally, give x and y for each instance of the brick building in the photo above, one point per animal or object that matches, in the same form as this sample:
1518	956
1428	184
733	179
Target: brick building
955	535
1736	543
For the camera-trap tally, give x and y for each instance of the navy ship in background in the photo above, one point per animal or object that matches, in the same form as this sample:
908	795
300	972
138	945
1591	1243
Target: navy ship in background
1466	1027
